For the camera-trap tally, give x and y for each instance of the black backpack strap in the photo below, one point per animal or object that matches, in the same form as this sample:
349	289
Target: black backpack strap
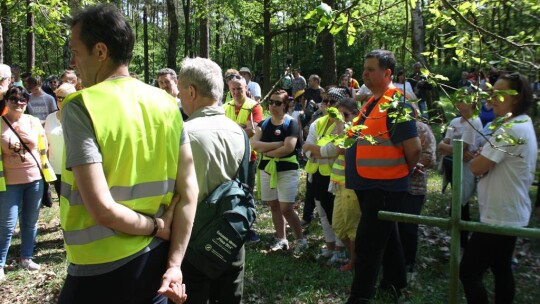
242	173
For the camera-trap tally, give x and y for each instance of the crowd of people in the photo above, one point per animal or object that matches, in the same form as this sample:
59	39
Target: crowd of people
129	186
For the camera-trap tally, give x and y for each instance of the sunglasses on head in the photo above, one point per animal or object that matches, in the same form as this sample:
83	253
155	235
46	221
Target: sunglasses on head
15	99
233	76
276	103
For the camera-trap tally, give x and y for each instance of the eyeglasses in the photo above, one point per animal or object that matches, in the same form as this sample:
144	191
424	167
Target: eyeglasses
276	103
16	100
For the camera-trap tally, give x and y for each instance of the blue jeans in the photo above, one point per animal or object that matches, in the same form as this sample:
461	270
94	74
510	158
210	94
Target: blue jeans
19	201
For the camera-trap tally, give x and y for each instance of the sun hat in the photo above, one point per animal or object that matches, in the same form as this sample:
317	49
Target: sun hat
336	94
298	93
245	70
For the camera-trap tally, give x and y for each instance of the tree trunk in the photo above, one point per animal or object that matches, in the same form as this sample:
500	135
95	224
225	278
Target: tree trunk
267	54
328	49
30	43
188	43
218	39
418	33
6	47
1	45
173	35
204	30
145	41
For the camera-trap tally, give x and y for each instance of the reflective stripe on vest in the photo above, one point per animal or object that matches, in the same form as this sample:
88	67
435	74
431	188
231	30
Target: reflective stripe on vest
93	233
140	149
338	170
122	193
47	169
382	160
322	165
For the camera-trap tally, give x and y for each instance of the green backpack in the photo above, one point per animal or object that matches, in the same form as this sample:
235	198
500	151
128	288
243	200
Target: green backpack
222	222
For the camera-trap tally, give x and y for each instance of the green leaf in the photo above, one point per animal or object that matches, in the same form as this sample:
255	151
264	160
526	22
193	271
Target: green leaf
349	142
310	15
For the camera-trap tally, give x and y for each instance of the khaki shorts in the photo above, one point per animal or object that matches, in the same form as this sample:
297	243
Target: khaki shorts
287	186
346	213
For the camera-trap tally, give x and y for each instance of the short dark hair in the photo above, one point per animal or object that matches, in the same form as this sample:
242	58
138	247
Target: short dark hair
350	104
104	23
17	90
167	71
284	95
386	59
521	85
33	81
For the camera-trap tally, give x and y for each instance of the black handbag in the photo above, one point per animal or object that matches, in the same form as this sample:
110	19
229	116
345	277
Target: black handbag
46	200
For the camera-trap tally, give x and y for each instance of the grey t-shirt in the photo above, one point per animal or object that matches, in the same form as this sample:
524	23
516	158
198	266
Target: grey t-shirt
41	106
82	148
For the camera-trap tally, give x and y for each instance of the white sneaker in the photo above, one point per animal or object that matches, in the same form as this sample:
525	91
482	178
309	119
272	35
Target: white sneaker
281	244
29	264
301	246
2	275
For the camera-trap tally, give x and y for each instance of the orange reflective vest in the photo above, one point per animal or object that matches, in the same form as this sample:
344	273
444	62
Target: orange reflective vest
382	160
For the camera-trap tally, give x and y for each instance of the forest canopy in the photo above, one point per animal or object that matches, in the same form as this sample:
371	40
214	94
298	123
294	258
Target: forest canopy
268	35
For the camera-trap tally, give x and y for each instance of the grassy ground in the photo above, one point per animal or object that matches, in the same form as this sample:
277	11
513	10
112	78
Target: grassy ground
281	277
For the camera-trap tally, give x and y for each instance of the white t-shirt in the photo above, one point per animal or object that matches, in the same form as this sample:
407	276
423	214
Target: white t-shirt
459	128
407	88
55	136
503	193
254	89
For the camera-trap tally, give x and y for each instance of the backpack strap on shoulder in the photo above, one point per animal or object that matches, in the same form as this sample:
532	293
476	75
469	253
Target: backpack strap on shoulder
242	173
265	123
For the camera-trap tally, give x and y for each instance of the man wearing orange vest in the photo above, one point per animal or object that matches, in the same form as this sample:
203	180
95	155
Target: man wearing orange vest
379	174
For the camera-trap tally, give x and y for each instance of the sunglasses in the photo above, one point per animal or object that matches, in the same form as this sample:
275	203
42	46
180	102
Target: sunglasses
276	103
16	100
233	76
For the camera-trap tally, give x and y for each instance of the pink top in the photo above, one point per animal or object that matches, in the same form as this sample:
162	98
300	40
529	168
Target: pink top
19	166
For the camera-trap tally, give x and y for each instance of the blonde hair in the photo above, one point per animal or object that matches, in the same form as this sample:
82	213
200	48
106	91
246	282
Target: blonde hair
65	89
